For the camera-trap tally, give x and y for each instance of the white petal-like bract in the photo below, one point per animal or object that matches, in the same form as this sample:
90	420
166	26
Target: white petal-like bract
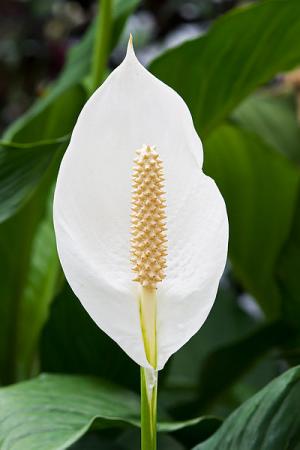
92	212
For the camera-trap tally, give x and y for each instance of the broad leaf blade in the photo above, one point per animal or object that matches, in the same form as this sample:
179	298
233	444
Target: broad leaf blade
16	240
268	421
52	412
41	282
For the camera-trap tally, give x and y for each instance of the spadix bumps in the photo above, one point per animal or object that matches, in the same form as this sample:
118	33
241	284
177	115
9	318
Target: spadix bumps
148	244
172	230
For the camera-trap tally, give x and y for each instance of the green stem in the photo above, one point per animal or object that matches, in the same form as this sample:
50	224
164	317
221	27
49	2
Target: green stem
148	408
102	43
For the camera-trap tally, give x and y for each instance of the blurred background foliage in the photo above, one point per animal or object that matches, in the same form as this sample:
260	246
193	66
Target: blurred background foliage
236	382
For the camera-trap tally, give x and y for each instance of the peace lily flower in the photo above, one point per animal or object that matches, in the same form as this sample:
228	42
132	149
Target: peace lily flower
142	236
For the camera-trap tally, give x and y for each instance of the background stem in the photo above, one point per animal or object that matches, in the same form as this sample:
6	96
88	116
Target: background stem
101	45
148	408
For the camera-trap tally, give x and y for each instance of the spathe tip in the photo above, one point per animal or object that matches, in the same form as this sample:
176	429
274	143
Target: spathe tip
130	49
130	41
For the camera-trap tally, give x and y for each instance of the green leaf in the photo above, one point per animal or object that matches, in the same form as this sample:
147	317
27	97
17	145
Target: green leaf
260	188
274	119
39	289
267	421
52	412
242	50
21	169
16	245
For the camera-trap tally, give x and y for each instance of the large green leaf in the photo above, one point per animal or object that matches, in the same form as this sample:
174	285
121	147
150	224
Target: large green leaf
17	236
51	412
268	421
260	189
242	50
39	289
54	411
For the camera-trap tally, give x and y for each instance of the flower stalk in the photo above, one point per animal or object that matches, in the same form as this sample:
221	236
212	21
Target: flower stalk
148	408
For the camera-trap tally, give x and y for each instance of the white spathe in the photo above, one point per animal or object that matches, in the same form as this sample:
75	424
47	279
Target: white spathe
92	208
